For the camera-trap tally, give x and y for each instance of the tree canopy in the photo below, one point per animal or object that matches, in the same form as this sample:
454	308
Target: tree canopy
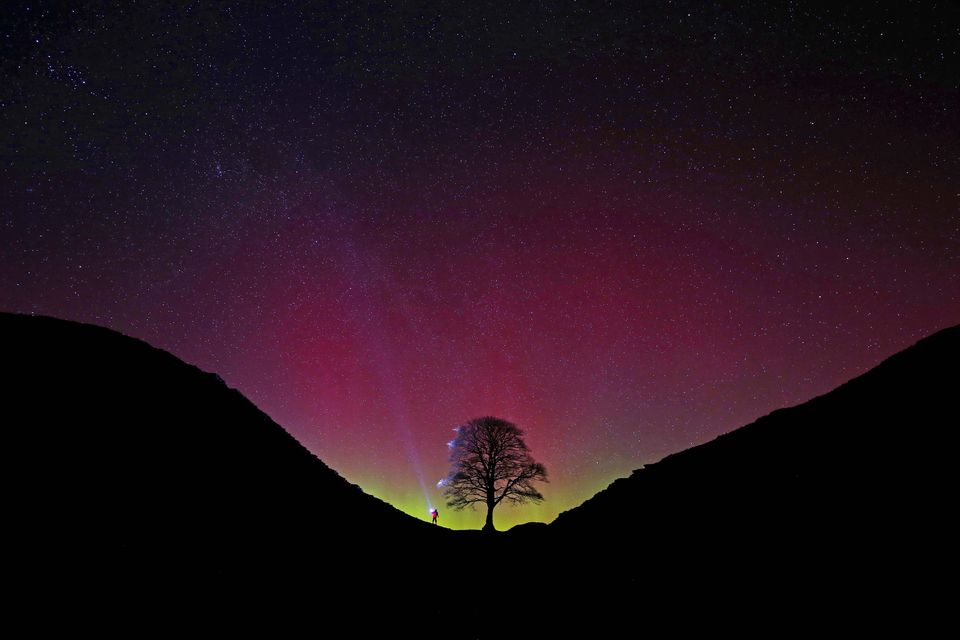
491	463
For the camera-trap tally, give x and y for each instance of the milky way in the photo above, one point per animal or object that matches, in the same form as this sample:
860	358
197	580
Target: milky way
627	231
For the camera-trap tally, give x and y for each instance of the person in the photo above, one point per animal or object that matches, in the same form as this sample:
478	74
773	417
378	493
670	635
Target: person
436	514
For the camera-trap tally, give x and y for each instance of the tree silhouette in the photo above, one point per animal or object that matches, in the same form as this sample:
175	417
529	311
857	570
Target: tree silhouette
491	463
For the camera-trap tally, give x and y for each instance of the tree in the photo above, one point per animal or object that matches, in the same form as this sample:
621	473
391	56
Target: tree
491	463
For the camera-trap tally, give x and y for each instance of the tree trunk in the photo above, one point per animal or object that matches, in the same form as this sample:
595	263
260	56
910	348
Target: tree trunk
488	525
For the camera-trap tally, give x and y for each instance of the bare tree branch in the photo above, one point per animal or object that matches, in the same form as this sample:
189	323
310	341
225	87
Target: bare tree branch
491	463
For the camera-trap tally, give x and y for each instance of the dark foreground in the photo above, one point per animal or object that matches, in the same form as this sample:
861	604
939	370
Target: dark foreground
143	489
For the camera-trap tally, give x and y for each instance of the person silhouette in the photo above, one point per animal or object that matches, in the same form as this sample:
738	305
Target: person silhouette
436	514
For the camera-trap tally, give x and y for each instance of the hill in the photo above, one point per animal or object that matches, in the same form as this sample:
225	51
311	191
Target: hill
851	484
130	472
126	459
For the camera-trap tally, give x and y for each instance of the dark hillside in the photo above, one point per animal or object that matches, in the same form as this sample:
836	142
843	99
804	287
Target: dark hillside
130	472
133	460
857	478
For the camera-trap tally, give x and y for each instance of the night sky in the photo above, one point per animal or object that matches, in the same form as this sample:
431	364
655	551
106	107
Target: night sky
628	230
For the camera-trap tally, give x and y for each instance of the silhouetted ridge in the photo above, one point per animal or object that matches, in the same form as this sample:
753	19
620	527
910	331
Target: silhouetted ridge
131	472
859	468
124	452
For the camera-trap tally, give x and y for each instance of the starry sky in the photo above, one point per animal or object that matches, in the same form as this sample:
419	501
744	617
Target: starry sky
626	227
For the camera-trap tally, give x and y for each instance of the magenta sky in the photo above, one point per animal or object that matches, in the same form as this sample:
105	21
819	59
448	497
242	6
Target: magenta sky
627	233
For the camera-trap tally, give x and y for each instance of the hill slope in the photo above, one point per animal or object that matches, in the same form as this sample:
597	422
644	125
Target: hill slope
859	472
131	472
123	453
